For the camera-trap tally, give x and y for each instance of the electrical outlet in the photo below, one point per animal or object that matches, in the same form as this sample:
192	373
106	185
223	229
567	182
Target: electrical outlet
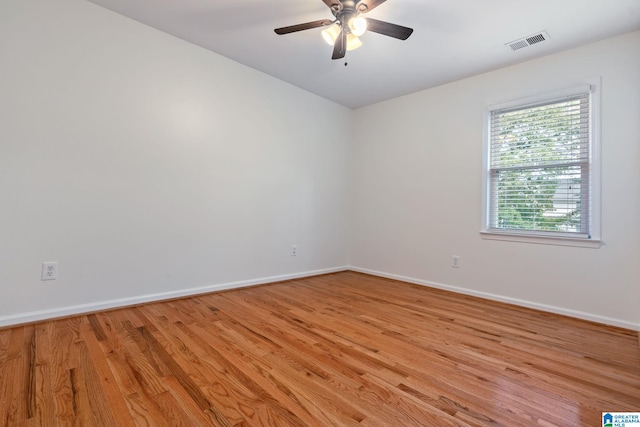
294	250
50	270
455	261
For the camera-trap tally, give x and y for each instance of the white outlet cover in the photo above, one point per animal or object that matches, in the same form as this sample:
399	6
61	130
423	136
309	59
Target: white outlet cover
49	270
455	261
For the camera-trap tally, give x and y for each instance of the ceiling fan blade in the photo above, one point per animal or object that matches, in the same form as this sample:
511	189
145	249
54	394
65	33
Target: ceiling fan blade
300	27
371	4
388	29
340	47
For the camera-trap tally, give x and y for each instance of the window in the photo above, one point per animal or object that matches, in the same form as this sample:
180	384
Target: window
541	179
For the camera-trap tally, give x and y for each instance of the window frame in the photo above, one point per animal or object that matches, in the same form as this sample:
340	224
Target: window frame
591	86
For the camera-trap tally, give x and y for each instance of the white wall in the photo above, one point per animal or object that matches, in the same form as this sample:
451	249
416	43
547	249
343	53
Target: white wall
149	167
417	190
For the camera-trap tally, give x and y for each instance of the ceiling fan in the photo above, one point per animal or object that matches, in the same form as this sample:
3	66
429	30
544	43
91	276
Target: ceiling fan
349	24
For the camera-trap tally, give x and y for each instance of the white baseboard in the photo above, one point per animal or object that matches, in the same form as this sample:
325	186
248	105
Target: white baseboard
35	316
523	303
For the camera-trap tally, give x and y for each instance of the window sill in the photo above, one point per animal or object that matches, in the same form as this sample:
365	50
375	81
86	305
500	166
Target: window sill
542	240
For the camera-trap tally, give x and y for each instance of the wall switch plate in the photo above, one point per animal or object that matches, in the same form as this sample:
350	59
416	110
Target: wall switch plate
455	261
294	250
50	270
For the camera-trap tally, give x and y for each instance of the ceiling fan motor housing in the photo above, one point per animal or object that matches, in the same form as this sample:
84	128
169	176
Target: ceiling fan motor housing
347	10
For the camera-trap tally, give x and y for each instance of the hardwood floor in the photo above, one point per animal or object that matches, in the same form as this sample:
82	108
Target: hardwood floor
343	349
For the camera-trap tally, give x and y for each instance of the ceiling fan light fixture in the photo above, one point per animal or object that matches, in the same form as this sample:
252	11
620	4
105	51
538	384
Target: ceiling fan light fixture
353	42
357	25
331	33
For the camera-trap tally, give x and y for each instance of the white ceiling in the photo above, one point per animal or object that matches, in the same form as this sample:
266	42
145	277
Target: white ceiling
452	39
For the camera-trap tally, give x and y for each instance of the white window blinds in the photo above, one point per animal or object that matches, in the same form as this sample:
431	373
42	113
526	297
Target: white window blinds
539	167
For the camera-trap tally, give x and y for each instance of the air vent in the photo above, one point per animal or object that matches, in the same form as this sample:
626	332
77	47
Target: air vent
528	41
519	44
